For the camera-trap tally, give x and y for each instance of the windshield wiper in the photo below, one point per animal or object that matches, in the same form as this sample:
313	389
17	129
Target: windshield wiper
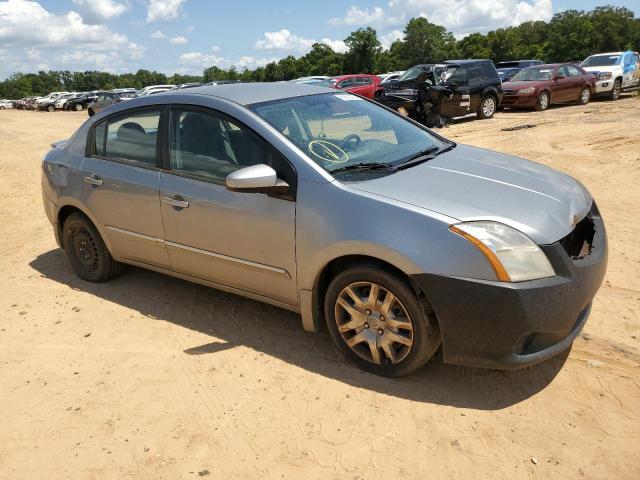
364	166
423	156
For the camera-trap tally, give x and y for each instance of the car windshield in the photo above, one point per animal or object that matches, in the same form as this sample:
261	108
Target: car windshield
533	74
412	73
339	130
600	61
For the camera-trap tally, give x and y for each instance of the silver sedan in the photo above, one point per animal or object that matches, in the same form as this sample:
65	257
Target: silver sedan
321	202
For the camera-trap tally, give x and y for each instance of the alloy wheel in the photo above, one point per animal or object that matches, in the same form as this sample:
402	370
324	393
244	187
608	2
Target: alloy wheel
373	323
586	95
544	101
616	90
488	106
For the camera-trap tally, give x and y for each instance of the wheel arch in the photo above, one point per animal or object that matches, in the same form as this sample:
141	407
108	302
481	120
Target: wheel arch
71	207
313	314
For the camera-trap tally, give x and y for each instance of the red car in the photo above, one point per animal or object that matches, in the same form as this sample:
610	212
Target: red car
365	85
540	86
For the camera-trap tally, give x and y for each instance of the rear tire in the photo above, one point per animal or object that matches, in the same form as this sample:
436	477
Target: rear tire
585	96
396	334
488	106
78	107
616	90
543	101
91	112
86	251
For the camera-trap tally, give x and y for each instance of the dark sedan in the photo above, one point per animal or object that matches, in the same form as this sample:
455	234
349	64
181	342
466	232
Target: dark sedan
540	86
106	99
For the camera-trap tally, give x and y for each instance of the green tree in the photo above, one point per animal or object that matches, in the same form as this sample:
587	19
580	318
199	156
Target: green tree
363	47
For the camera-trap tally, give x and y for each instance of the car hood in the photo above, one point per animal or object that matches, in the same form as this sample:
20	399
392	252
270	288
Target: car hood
523	85
469	183
604	68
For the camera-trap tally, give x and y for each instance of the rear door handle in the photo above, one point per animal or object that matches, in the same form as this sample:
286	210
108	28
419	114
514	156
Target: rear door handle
176	201
93	180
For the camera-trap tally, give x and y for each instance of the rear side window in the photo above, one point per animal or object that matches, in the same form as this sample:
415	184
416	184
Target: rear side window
477	74
132	138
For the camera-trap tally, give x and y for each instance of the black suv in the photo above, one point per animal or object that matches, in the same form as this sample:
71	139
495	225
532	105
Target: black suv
80	102
443	91
106	99
508	70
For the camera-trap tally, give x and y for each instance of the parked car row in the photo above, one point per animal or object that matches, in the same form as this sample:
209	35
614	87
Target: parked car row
437	93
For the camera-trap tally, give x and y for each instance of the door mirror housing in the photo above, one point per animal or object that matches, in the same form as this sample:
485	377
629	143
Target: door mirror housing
559	76
256	179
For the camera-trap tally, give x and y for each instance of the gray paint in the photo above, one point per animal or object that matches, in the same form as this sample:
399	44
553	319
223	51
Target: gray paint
274	249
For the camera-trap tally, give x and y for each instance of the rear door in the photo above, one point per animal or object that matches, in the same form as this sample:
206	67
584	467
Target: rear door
562	85
121	183
240	240
577	82
363	86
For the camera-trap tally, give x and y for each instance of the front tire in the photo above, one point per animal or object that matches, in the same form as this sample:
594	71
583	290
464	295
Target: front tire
543	102
378	322
488	107
91	112
78	107
86	251
50	108
616	90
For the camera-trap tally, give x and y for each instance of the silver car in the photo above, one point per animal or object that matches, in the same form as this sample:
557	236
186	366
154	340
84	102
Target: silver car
327	204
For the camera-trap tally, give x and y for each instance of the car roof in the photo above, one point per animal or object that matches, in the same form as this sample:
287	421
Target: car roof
250	93
466	61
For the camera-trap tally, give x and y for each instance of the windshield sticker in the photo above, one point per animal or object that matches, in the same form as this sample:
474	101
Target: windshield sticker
347	98
545	71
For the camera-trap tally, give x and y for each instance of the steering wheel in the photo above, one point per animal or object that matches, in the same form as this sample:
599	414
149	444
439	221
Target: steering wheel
352	137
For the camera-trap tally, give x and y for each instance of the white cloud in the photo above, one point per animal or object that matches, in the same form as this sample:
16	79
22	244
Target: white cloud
30	33
163	10
458	16
336	45
18	18
178	40
158	35
387	39
100	11
196	61
286	42
190	29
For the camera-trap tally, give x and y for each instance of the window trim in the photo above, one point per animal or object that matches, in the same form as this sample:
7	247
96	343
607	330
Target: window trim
91	141
166	153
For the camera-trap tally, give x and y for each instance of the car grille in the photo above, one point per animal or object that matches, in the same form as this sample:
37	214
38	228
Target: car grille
579	242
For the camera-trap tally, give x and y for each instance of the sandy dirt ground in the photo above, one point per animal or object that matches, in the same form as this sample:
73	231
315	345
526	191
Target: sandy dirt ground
152	377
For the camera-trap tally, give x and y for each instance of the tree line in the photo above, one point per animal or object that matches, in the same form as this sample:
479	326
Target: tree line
571	35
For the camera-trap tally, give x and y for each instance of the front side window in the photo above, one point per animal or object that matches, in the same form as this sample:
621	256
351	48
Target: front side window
131	138
574	71
211	146
338	130
455	76
348	83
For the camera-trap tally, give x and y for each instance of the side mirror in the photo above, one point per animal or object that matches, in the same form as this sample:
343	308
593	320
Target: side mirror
256	179
559	77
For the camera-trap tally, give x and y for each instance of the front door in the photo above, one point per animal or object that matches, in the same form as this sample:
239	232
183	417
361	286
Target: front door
459	102
241	240
121	184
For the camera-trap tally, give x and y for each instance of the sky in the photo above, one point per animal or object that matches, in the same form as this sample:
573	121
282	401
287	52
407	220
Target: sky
185	36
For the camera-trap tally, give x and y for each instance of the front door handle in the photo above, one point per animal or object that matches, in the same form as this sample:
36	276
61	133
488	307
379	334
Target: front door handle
93	180
176	201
